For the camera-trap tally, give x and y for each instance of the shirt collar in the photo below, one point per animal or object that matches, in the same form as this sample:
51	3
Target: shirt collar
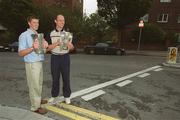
31	31
58	30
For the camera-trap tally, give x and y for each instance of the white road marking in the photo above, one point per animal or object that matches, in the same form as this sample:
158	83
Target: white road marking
144	75
102	85
159	69
126	82
93	95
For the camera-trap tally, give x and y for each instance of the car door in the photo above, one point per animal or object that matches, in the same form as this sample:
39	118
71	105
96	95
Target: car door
101	48
112	50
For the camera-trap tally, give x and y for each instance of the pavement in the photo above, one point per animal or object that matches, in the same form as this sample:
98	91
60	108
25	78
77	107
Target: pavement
15	113
159	54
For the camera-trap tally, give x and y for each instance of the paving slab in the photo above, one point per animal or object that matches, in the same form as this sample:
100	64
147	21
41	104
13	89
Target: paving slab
14	113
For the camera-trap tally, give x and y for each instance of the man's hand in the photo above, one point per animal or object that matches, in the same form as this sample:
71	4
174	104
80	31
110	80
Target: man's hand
59	42
35	44
45	44
70	46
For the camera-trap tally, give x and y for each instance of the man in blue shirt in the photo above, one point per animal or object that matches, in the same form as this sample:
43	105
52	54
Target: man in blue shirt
33	63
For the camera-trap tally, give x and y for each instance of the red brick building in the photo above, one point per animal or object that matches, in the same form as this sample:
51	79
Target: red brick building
164	13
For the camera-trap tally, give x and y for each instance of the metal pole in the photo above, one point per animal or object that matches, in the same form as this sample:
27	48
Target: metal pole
139	42
178	56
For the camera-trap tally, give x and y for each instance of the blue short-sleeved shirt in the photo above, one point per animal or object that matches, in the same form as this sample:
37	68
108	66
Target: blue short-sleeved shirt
26	41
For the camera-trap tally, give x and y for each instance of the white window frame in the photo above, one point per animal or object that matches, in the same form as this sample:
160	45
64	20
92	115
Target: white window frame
165	1
163	19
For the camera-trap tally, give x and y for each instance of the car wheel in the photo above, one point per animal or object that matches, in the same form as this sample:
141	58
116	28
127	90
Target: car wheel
91	51
118	52
12	50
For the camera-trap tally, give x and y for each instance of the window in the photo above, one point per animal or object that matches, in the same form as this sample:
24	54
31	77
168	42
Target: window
165	0
178	19
163	18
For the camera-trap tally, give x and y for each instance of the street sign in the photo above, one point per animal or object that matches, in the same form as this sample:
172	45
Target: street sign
141	24
172	54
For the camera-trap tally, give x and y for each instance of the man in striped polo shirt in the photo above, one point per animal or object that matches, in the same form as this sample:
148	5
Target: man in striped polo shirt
60	59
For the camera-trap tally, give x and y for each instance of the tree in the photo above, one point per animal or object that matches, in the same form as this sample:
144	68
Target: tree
119	13
73	19
14	13
95	29
151	33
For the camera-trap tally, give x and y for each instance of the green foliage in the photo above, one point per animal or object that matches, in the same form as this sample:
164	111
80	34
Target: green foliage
14	14
45	17
95	29
119	13
171	36
6	38
73	19
150	33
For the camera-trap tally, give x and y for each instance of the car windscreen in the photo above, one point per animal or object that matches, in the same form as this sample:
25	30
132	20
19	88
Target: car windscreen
102	45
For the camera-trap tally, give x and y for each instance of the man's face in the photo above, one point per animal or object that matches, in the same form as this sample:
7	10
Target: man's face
60	21
34	24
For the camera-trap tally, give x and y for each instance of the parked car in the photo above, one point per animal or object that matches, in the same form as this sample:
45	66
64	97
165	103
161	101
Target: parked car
103	48
1	48
14	47
4	48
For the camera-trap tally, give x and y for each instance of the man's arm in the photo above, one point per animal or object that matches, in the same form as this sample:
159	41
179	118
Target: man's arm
51	45
70	46
25	51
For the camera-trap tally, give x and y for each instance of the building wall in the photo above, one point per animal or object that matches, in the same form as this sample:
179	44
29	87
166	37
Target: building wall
172	9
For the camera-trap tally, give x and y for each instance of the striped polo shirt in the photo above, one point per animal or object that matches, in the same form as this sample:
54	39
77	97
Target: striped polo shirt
56	36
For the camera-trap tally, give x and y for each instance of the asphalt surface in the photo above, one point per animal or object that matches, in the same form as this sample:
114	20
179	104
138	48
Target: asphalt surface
9	110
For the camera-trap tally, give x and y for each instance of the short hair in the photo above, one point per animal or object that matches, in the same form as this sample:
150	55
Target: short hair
57	16
29	18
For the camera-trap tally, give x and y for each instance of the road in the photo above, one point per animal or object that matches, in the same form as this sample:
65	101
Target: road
146	90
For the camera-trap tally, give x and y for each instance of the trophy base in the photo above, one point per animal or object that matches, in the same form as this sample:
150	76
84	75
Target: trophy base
40	51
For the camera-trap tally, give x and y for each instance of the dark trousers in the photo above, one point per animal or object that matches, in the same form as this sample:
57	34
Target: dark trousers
60	64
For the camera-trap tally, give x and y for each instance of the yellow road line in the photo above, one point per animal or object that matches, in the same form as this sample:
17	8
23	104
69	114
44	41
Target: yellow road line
86	112
65	113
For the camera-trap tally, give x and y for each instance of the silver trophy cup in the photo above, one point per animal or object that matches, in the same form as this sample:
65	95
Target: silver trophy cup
39	37
65	37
